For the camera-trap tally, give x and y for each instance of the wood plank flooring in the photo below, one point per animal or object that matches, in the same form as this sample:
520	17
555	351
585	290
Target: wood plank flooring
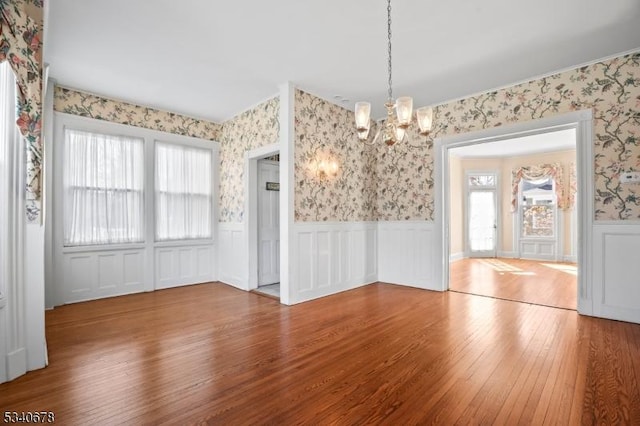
380	354
530	281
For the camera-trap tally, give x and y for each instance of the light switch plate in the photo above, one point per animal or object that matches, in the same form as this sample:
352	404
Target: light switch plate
630	177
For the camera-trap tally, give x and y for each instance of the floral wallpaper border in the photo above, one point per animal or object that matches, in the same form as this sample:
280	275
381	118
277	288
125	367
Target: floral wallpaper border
76	102
21	32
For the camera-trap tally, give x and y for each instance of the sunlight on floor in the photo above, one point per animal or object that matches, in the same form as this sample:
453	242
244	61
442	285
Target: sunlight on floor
569	269
499	266
527	273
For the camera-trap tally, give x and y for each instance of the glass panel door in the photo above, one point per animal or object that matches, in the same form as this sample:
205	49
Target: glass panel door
482	223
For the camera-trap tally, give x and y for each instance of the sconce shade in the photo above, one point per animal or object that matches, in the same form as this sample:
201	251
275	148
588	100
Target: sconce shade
424	116
363	114
404	111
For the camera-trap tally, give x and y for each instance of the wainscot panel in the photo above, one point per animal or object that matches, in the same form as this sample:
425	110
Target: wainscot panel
405	254
331	257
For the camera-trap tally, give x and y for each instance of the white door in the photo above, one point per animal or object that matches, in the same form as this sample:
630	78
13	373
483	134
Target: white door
268	223
482	223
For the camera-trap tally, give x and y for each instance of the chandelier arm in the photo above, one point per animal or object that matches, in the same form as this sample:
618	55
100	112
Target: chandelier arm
373	141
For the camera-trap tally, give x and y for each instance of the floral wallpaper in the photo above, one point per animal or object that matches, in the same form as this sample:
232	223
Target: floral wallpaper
75	102
252	129
334	173
21	30
610	88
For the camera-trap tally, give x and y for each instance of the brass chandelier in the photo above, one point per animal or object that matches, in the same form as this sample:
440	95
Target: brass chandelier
394	127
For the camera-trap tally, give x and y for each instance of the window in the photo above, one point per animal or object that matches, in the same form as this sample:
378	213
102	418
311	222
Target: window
538	207
103	181
184	192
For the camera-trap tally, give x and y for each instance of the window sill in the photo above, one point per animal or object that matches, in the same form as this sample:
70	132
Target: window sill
103	247
184	243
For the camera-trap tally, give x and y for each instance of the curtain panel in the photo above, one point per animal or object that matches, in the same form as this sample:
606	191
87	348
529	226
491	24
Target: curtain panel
21	32
553	170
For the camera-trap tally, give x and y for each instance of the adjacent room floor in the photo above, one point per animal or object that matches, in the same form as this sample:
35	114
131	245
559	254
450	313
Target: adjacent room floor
531	281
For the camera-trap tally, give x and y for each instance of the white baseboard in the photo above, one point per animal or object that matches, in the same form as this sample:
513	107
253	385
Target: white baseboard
454	257
570	259
508	254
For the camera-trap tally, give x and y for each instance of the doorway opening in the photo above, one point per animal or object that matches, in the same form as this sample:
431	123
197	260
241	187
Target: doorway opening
263	220
543	216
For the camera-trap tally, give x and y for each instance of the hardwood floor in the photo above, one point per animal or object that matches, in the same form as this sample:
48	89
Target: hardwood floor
380	354
530	281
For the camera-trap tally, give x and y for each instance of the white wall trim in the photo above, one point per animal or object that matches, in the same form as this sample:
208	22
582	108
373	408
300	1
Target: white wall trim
508	254
287	181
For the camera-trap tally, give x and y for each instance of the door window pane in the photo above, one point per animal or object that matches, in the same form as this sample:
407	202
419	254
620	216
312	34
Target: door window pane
482	220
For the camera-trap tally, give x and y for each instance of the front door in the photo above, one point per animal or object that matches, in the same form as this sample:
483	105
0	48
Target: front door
268	223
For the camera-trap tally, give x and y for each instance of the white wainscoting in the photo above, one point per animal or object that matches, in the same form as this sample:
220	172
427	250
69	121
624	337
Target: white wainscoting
406	254
97	273
538	249
88	275
332	257
184	265
616	270
232	255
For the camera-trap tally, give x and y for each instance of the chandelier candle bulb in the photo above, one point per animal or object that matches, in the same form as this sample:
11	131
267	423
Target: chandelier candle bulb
404	111
424	116
363	114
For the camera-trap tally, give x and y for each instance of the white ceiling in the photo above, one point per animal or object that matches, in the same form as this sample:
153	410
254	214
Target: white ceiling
214	59
562	140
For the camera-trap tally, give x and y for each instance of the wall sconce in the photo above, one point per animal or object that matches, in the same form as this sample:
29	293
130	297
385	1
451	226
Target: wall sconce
326	169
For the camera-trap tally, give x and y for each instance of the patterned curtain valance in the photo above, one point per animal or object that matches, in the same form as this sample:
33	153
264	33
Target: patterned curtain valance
553	171
21	26
573	185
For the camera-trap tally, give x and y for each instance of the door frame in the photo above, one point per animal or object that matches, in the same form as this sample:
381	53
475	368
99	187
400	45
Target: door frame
467	205
251	208
263	161
582	122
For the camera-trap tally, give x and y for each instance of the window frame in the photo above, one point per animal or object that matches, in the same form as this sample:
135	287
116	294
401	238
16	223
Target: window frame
521	208
63	121
141	191
212	200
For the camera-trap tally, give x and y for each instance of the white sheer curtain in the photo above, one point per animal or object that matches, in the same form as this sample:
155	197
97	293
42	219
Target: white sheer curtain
183	192
103	184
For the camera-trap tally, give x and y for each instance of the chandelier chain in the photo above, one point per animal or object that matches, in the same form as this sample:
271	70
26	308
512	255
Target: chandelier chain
389	48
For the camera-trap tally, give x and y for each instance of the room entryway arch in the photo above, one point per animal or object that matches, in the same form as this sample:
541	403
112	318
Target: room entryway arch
582	122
